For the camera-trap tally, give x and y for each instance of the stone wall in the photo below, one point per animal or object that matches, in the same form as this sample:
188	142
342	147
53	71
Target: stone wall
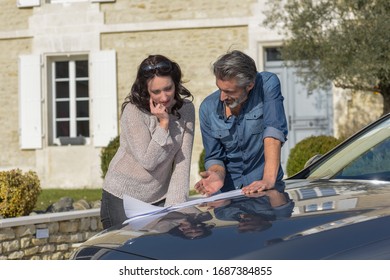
355	109
11	17
10	154
47	236
160	10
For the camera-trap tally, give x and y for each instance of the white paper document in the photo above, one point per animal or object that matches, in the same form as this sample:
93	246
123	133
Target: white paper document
136	209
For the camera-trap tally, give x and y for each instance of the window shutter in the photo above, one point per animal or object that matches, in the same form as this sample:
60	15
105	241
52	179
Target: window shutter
30	102
27	3
104	97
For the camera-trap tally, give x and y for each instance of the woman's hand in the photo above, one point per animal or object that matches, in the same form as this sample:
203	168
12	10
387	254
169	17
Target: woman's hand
161	112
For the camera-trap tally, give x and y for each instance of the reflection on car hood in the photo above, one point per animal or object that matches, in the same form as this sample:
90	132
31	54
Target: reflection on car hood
325	219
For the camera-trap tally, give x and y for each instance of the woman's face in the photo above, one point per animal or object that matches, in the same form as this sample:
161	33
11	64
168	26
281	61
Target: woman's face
191	231
162	91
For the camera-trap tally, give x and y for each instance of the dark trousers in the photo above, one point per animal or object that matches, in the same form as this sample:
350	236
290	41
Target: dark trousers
112	212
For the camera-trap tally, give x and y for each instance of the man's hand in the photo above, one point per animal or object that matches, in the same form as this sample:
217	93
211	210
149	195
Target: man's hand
211	182
216	204
271	166
258	186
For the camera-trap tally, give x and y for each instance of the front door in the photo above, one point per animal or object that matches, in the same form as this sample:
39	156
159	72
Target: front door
307	113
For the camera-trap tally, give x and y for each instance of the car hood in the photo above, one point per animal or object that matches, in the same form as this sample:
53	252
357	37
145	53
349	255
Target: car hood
323	219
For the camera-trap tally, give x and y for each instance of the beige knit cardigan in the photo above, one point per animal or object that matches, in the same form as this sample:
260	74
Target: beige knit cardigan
151	163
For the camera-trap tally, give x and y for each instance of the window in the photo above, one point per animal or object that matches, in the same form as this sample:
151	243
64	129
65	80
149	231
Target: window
307	193
374	164
364	157
273	54
328	205
70	110
78	103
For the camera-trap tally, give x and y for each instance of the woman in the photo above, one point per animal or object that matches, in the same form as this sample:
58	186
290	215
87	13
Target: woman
152	163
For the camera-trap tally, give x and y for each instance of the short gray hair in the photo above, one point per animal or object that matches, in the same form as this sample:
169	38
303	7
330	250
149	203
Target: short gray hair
235	65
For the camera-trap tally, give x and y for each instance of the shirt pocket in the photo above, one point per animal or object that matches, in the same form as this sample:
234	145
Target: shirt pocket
225	137
255	121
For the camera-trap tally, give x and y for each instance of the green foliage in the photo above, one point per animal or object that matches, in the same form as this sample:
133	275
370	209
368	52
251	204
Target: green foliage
346	42
201	161
107	154
308	148
18	192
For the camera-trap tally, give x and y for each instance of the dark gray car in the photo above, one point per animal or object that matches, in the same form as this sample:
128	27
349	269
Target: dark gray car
336	208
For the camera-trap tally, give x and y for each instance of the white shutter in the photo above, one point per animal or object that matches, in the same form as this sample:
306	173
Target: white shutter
30	102
27	3
104	97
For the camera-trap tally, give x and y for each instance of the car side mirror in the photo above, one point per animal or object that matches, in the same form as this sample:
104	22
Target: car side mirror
312	160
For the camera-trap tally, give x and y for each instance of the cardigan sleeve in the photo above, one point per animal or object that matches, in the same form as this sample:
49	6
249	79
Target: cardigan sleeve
144	138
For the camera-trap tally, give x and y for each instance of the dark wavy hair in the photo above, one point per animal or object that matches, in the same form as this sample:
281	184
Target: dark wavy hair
139	95
196	221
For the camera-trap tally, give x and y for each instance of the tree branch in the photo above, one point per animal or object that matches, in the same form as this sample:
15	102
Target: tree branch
357	87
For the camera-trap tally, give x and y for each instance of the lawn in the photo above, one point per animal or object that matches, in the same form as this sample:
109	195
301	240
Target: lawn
50	196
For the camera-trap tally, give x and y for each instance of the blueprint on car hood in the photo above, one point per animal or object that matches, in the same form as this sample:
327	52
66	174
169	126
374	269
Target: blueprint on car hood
137	209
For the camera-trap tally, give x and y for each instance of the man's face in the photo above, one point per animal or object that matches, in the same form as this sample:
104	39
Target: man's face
231	94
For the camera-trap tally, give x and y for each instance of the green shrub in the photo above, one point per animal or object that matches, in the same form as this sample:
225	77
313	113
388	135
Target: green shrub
107	154
306	149
18	192
201	161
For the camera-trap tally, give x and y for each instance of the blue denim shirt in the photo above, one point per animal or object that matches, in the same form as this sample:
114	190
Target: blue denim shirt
260	206
237	142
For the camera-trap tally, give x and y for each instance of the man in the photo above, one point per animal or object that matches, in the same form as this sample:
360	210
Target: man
243	127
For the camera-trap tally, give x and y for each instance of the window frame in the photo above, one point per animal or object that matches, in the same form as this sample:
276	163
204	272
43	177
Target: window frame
53	140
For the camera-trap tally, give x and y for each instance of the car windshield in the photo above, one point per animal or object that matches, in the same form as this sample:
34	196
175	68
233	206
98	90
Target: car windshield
366	157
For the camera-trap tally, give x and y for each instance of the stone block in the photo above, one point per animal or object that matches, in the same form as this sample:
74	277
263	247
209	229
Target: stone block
69	226
7	234
31	251
25	230
11	246
18	255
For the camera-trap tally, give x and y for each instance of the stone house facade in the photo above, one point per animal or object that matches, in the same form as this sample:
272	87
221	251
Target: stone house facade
82	55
